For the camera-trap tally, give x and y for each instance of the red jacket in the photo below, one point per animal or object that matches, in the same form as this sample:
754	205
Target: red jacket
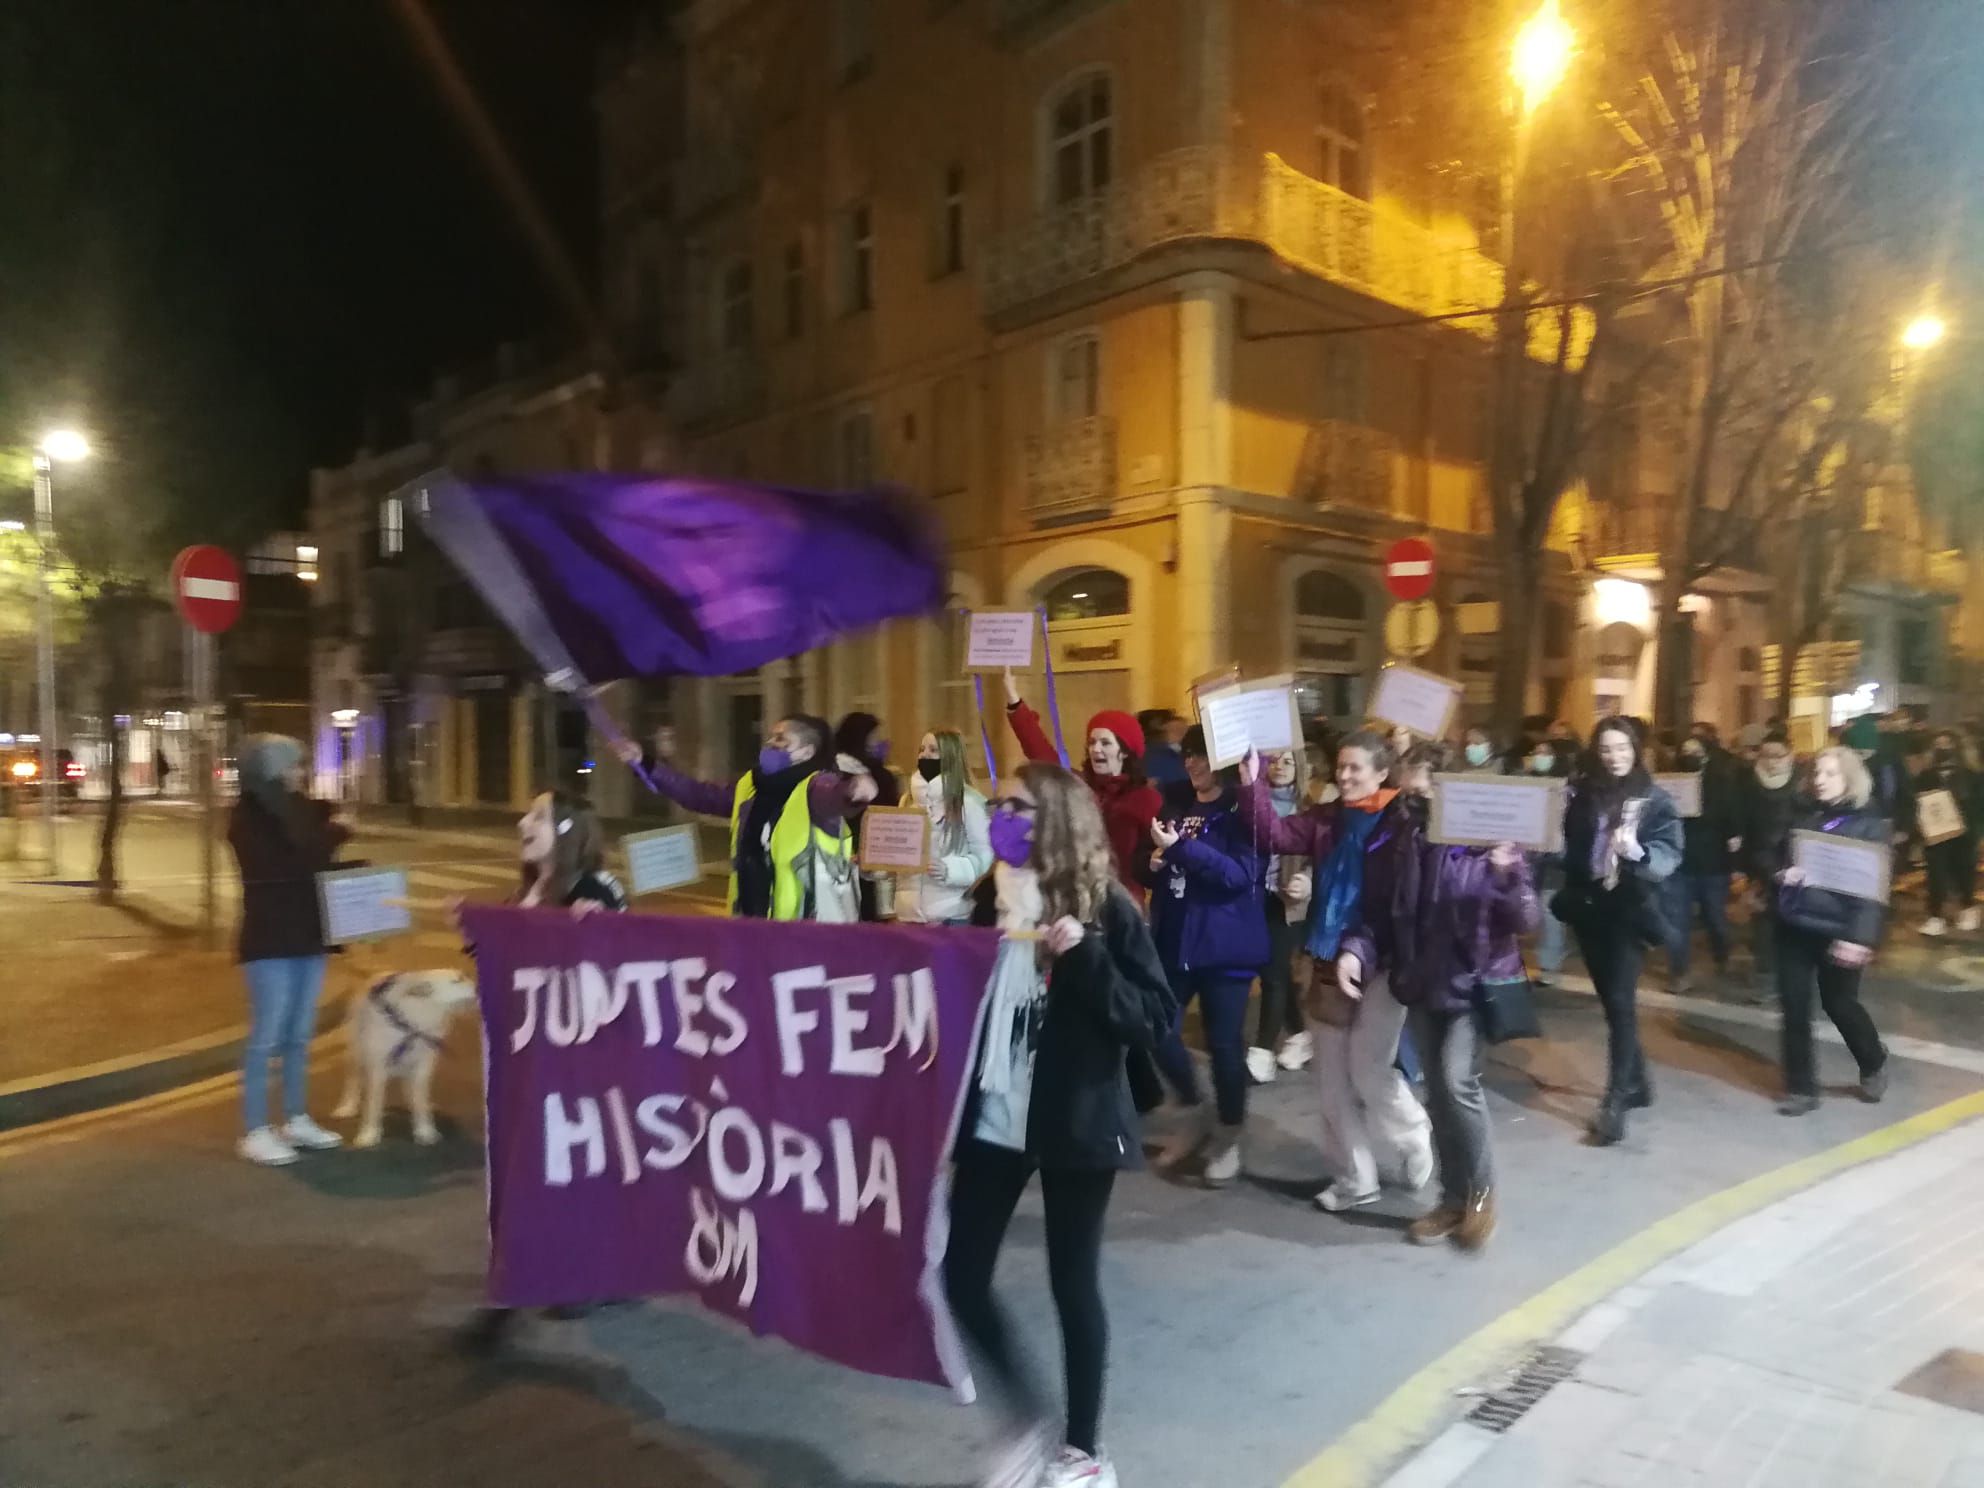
1128	807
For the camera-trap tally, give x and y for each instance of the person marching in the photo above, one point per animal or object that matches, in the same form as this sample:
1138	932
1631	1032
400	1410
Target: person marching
1952	863
1211	930
857	751
791	853
1826	938
1622	840
1372	1127
1548	760
1287	907
1113	769
960	844
1708	843
1453	923
1076	987
1771	800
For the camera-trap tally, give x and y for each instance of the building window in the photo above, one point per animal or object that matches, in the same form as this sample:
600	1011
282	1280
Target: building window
855	450
795	291
392	527
1074	371
1322	595
950	227
1343	149
857	245
734	323
854	39
1088	594
1081	130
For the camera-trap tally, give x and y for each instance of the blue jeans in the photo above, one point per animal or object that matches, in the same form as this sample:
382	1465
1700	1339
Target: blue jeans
1223	1010
1684	892
1550	945
282	997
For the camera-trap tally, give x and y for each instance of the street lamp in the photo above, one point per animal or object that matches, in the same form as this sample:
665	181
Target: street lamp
66	446
1542	55
1924	332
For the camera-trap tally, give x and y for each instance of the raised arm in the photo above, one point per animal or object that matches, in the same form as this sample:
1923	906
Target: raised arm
1305	834
833	798
704	797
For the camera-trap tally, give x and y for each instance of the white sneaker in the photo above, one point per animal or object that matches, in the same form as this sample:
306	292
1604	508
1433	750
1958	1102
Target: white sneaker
1935	925
1021	1463
1074	1469
265	1145
303	1133
1968	920
1296	1052
1223	1160
1419	1170
1260	1065
1336	1199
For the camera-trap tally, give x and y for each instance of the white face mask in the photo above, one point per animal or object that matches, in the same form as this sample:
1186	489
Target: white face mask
1477	754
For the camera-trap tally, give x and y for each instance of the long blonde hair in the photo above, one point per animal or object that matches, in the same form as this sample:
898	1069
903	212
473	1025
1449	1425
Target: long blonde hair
1070	846
1852	770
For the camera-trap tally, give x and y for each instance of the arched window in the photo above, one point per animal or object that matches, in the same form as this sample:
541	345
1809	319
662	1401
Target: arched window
1088	594
1322	595
1081	127
1342	140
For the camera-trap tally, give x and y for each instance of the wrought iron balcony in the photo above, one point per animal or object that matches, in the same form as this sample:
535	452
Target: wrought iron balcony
1071	470
1345	464
1878	556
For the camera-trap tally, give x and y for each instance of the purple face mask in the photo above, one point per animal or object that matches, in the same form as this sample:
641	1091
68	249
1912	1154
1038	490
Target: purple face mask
1012	838
772	759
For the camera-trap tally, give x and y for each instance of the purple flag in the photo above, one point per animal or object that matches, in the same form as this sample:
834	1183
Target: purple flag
759	1114
604	577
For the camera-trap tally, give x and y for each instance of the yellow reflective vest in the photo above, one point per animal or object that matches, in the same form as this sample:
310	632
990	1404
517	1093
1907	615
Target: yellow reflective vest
812	871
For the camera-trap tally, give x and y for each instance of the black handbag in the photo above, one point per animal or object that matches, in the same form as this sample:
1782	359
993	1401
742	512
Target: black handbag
1507	1008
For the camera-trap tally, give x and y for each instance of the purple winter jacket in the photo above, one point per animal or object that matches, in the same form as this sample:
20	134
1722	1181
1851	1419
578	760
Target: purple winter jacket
1449	921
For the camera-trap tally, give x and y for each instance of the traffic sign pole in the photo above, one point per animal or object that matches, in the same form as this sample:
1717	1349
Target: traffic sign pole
206	588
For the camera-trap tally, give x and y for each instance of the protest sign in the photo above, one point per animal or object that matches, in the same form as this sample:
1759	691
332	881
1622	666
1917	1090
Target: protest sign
1416	700
895	839
1243	716
662	859
1482	810
1842	864
999	639
363	904
1686	790
1937	814
757	1114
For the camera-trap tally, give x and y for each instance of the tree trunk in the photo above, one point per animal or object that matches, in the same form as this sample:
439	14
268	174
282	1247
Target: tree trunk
113	631
113	818
1673	658
1522	576
1788	651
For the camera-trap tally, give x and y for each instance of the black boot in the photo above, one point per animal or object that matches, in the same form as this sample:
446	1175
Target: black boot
1642	1095
486	1332
1608	1123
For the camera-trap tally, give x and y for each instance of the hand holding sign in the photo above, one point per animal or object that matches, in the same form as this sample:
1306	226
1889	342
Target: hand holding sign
1416	700
1242	718
999	640
364	904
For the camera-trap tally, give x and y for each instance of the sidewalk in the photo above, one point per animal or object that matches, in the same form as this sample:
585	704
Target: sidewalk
1833	1338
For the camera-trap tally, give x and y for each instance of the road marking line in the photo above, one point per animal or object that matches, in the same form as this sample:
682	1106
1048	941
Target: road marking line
429	878
197	1044
1421	1406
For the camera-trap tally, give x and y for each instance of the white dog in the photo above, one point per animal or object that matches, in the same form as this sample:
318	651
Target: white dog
396	1031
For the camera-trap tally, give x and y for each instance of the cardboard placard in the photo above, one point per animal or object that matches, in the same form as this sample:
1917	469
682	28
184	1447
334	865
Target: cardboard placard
1843	864
1686	789
1243	716
666	858
999	639
1416	700
895	839
363	904
1476	810
1937	814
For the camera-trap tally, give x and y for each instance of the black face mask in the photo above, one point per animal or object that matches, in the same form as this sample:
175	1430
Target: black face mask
1945	754
929	769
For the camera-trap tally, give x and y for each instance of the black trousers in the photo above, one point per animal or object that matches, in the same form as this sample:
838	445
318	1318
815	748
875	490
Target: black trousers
1281	1010
1952	869
1613	955
985	1189
1801	964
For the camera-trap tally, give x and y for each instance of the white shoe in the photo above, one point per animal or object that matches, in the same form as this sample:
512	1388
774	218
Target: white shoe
1336	1199
1968	920
1074	1469
265	1145
1935	925
1296	1052
303	1133
1419	1170
1223	1160
1021	1463
1260	1065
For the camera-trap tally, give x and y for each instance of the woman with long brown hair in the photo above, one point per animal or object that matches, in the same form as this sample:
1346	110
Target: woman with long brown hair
1075	991
960	847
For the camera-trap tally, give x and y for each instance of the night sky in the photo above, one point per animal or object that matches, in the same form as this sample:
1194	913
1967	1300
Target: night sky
232	227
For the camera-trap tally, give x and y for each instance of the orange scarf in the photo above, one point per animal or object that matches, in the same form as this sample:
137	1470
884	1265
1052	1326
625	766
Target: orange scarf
1378	800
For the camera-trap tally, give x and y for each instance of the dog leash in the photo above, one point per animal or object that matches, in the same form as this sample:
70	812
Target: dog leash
409	1035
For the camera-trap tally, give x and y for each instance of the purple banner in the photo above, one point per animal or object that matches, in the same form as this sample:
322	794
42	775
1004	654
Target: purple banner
758	1114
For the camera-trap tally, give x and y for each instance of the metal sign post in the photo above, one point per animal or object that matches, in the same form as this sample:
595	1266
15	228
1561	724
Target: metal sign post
203	702
206	588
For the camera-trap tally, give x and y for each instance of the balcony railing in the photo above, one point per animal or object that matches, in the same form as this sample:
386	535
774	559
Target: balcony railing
726	386
1345	464
1878	556
1071	470
1626	531
1026	20
1205	193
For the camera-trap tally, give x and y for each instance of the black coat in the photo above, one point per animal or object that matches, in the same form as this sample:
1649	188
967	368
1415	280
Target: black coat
1101	1000
280	858
1705	838
1960	783
1585	903
1767	817
1824	912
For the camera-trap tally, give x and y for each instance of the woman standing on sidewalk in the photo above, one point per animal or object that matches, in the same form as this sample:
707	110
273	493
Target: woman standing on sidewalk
1211	930
282	840
1827	938
960	847
1546	760
1952	863
1373	1129
1622	840
1073	991
1287	908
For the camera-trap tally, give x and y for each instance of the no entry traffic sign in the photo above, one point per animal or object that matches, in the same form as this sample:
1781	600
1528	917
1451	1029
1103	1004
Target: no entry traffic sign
1409	568
206	588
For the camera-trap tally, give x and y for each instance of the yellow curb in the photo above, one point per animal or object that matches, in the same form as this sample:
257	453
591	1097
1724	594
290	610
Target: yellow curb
198	1044
1424	1404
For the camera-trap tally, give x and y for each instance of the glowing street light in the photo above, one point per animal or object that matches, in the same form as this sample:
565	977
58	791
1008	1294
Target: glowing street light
1542	55
63	446
1925	331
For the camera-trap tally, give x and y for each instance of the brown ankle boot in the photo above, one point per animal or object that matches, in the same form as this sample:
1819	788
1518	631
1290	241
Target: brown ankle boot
1434	1226
1477	1221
